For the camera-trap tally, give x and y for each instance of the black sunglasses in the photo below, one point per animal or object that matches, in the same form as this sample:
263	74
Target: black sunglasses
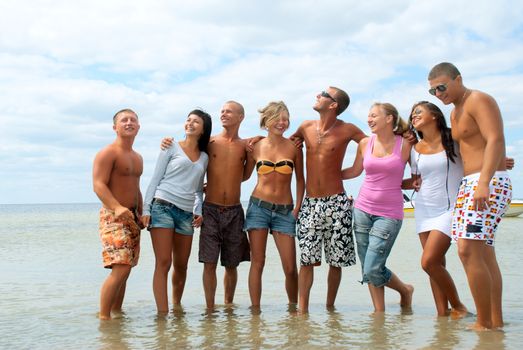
326	94
440	88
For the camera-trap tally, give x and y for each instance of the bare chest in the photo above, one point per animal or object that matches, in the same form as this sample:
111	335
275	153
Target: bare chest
463	126
128	165
227	157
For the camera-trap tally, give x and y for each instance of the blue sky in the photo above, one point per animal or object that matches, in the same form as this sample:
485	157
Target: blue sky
67	66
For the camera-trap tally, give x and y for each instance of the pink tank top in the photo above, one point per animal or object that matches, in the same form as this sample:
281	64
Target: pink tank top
380	194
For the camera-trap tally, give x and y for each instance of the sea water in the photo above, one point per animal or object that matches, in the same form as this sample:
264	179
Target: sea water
51	273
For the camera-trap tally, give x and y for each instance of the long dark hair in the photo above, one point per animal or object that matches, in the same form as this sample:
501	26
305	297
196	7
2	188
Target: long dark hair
446	135
203	141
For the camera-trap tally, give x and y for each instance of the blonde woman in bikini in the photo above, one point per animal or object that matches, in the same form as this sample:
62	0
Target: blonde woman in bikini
271	207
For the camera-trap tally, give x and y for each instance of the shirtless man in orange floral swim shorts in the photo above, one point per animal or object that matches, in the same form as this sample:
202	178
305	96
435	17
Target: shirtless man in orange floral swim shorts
116	181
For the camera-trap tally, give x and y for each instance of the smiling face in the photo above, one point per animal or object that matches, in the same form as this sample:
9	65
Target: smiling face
126	124
279	124
231	114
445	88
325	99
421	117
378	119
193	125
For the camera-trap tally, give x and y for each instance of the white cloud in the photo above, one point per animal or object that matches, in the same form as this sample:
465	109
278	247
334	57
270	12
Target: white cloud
67	67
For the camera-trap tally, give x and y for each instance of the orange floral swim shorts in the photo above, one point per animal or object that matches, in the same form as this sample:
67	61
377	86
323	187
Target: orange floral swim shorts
120	239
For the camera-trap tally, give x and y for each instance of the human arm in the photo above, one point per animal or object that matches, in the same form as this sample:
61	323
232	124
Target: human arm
161	167
198	194
357	167
358	134
249	165
509	163
102	169
412	183
300	181
250	143
297	138
487	115
167	142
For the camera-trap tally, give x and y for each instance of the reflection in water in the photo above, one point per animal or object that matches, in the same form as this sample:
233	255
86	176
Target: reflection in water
40	308
491	340
446	334
113	334
172	331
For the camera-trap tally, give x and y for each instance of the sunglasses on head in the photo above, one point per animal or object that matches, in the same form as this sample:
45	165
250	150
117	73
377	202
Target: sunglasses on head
326	94
440	88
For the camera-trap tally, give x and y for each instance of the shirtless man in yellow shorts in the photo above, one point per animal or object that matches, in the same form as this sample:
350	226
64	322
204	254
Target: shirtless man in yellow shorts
485	191
116	181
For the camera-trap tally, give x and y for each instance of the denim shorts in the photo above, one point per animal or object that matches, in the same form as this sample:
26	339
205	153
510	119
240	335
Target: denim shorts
375	236
258	217
168	215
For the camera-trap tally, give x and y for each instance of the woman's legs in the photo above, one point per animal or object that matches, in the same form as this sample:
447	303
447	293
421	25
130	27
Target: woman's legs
181	250
258	242
287	249
162	239
435	245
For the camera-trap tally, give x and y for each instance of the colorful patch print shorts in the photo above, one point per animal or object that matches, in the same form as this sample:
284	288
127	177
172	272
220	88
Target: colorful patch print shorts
120	239
326	220
468	223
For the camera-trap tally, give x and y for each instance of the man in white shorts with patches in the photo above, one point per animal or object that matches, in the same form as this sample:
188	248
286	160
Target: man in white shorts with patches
485	191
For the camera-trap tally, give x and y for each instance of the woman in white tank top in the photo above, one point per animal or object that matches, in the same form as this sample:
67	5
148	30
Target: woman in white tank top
436	174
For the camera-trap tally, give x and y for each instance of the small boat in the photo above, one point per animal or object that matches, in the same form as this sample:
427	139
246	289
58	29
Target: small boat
515	208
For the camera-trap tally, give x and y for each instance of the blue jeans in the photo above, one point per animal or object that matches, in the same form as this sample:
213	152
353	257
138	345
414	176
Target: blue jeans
168	215
375	236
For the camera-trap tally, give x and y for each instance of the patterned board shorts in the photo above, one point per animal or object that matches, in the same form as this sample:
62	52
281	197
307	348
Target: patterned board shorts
327	220
120	239
468	223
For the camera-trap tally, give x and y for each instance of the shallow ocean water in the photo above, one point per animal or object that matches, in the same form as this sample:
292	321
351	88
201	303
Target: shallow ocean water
51	273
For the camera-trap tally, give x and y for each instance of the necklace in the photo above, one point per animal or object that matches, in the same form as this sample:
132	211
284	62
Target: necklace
320	135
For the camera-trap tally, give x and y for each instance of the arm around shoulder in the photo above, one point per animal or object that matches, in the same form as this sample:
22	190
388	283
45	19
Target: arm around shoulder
300	180
357	167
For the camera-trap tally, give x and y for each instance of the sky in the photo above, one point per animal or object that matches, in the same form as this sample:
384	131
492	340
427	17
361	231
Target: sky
67	66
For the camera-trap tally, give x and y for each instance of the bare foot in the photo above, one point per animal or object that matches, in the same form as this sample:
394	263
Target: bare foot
103	317
406	299
117	314
459	312
330	307
292	307
498	327
477	327
255	309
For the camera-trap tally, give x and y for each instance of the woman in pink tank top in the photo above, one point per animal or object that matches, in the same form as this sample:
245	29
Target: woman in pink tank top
378	210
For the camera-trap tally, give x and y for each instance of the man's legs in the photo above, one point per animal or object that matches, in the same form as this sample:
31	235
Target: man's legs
111	288
209	284
333	283
472	254
496	288
305	279
230	279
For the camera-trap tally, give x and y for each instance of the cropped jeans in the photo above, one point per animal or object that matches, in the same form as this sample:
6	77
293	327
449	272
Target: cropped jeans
375	236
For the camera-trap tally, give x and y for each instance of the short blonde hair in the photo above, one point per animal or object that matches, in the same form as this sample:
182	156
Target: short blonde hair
271	112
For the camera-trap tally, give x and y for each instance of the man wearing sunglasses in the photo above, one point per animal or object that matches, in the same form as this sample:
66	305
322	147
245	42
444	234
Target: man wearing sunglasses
325	217
485	191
